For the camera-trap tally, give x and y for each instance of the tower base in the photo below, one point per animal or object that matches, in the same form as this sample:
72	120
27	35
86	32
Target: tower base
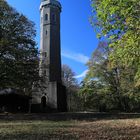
57	96
54	99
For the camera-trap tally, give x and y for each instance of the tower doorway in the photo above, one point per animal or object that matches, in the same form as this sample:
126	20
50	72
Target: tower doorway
43	102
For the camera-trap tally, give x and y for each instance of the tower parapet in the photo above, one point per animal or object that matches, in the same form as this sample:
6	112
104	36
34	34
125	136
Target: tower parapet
50	2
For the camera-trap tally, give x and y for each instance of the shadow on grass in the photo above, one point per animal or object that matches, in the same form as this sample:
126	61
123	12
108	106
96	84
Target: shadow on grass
46	136
81	116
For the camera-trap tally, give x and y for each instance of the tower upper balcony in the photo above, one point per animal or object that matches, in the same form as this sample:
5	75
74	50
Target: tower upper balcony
50	2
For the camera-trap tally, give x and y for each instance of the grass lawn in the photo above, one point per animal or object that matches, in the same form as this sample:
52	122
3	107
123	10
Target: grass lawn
104	129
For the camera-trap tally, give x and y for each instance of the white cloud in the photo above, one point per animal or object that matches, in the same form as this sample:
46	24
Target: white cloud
82	75
76	56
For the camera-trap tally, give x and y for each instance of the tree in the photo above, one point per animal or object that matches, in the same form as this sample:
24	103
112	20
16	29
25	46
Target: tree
68	76
119	22
101	82
109	88
18	54
72	87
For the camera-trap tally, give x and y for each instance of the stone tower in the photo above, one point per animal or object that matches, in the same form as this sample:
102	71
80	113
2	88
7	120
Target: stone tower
54	93
50	39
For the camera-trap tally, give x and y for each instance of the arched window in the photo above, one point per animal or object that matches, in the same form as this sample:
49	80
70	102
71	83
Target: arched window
46	16
45	54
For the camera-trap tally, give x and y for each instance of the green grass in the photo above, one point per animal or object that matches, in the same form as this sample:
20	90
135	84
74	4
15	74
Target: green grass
119	129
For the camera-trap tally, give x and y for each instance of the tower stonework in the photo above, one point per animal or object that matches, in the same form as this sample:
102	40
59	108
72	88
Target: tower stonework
50	38
54	93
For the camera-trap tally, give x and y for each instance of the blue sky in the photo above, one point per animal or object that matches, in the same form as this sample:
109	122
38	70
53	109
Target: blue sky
78	39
